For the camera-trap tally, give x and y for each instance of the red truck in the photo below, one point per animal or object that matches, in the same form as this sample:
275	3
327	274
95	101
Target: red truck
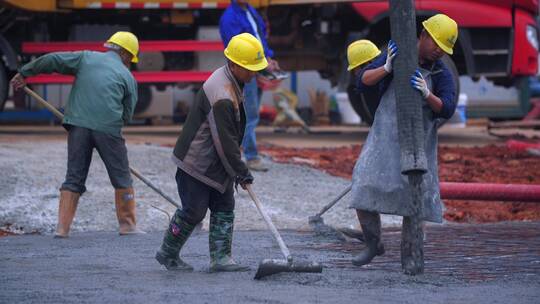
497	39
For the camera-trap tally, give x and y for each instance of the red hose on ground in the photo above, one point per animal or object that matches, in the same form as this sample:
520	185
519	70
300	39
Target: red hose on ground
519	145
490	192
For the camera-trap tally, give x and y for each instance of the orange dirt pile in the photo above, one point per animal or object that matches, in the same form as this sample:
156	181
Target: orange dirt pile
489	164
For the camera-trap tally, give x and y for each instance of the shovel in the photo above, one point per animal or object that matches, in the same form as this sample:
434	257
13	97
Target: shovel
133	171
319	227
272	266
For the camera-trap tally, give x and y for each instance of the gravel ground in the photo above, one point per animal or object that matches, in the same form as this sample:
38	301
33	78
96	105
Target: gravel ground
32	172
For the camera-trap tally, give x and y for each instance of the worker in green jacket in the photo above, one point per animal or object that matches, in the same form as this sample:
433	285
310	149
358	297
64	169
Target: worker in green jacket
208	158
101	101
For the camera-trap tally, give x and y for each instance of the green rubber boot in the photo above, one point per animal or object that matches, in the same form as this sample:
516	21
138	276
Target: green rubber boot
176	235
220	243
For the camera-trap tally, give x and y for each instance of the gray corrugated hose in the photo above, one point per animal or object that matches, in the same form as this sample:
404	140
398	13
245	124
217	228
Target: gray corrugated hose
410	129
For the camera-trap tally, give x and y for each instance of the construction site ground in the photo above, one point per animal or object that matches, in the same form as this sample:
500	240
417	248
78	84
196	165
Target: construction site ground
490	263
468	154
466	262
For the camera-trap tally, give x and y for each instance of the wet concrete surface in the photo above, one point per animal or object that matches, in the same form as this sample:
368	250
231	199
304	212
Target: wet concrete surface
492	263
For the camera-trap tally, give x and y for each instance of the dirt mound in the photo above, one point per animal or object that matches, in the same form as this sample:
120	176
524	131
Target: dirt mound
488	164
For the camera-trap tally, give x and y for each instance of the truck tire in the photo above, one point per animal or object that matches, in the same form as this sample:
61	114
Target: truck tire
4	86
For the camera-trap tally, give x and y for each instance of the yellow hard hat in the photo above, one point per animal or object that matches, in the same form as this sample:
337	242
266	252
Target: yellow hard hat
360	52
443	30
127	41
246	51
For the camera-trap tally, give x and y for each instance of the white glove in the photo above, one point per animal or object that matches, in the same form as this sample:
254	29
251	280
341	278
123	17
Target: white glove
390	55
418	82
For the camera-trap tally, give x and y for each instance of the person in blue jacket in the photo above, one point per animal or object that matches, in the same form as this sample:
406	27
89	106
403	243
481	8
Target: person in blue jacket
241	17
378	185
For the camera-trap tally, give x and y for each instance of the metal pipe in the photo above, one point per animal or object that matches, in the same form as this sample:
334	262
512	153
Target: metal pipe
490	192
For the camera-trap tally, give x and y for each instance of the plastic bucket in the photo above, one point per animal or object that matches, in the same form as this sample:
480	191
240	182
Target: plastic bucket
348	115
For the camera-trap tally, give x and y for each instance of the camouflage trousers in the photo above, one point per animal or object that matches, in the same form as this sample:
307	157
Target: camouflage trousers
197	198
220	236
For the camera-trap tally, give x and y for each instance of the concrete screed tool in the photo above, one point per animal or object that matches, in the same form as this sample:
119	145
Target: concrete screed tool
272	266
319	227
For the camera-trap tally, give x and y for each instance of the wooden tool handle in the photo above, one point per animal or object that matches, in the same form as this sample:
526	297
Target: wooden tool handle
44	103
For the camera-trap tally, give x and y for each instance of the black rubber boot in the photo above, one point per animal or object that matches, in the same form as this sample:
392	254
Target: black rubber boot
220	243
176	235
371	227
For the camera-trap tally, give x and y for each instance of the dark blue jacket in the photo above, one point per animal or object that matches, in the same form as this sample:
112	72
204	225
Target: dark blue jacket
234	21
443	84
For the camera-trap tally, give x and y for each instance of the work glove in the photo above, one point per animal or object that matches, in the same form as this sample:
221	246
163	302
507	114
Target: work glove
418	82
390	55
243	181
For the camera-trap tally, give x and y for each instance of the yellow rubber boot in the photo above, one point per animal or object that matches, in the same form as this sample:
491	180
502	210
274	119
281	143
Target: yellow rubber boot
66	212
125	211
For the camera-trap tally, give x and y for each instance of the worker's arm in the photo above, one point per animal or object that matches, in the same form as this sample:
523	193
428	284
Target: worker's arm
130	101
60	62
372	76
225	138
445	89
263	32
441	100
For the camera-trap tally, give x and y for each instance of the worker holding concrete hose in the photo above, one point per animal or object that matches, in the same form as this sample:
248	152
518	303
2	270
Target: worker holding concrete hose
378	185
101	101
208	158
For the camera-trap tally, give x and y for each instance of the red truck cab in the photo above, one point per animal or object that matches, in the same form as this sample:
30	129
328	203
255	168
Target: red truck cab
497	39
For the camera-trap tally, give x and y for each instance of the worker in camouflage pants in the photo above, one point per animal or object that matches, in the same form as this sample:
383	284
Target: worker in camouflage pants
208	158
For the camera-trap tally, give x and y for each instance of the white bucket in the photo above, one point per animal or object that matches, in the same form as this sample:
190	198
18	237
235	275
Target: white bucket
459	119
348	115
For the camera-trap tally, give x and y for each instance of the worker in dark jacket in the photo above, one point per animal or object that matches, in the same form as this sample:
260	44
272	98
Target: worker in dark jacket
361	53
208	158
101	101
378	185
240	17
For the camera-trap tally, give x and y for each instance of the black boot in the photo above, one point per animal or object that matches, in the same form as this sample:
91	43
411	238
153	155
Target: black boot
371	227
176	235
220	243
